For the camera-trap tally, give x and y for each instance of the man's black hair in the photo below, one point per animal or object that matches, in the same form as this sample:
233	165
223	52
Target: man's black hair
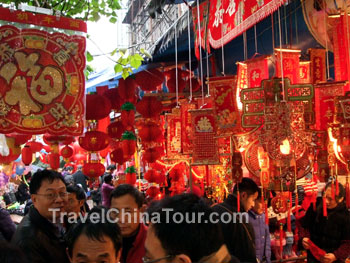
246	185
95	229
127	189
197	239
341	190
41	176
111	167
10	253
78	191
107	178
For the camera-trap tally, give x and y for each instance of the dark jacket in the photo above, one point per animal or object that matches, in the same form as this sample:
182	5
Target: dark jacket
7	227
239	237
39	239
331	233
80	178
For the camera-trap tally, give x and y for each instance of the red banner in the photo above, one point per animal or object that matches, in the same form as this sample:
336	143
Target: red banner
42	82
42	20
226	113
242	81
173	135
230	18
203	20
304	72
186	126
290	64
257	70
318	65
205	147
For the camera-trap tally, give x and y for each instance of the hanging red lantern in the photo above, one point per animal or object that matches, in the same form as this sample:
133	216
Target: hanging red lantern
114	98
149	80
35	146
149	107
128	144
105	152
152	154
19	138
127	89
279	204
27	155
54	161
117	156
153	191
115	130
150	132
130	175
97	107
93	169
67	151
171	84
94	141
153	176
128	115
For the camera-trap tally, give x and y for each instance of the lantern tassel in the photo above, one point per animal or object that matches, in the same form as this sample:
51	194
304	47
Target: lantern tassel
333	191
281	237
289	221
296	205
324	206
337	186
238	202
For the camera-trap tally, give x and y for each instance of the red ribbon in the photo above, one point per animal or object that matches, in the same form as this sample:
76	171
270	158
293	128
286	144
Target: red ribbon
316	251
324	206
238	202
289	221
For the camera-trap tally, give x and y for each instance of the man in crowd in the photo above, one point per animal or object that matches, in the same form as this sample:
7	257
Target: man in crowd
170	239
94	240
80	178
128	201
329	233
39	234
106	189
239	236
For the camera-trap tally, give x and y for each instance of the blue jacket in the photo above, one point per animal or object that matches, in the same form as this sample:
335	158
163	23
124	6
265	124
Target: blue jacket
262	235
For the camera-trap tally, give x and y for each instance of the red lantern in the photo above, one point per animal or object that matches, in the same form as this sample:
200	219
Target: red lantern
171	84
93	169
115	130
149	107
54	161
97	107
27	155
35	146
67	151
149	80
153	176
150	132
153	191
94	141
129	147
152	154
113	96
128	115
19	138
105	152
56	139
117	156
131	178
126	89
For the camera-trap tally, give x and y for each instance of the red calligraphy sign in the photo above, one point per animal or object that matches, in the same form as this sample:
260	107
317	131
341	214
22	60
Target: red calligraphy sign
205	147
230	18
290	64
225	104
173	135
42	82
257	70
318	65
203	21
304	72
186	127
242	82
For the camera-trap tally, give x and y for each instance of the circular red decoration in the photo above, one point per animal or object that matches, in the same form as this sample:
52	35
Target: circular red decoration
129	147
153	191
149	107
113	96
97	107
150	132
93	169
131	178
94	141
35	146
27	155
152	154
279	204
149	80
115	130
67	151
117	156
153	176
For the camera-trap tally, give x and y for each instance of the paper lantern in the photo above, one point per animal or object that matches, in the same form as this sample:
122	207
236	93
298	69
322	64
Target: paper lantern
171	84
149	80
128	115
127	89
27	155
130	178
117	156
94	141
279	204
152	154
150	132
67	151
56	139
19	138
149	107
115	130
153	191
153	176
105	152
35	146
93	169
114	98
97	107
54	161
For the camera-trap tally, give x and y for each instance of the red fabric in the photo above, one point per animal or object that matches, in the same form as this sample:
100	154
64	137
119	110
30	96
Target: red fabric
290	63
324	206
258	70
203	20
304	72
186	144
318	65
343	251
316	251
137	250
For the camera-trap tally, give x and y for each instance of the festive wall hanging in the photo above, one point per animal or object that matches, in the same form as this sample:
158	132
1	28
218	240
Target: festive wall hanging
242	82
318	65
173	134
201	37
225	105
41	75
257	70
304	72
290	64
186	126
205	148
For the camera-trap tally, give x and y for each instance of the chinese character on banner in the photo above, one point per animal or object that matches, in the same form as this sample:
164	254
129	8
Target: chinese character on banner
203	20
290	64
205	146
186	126
304	72
242	81
173	135
318	65
257	70
42	75
225	104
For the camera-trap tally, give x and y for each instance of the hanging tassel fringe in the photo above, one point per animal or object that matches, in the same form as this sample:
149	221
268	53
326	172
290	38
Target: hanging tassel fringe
238	202
289	220
324	206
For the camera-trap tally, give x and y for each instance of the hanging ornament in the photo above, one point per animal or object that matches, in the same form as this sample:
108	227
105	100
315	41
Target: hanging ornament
149	80
152	191
54	160
150	132
93	169
128	144
114	98
27	155
115	130
128	115
35	146
152	176
94	141
279	204
97	107
117	156
130	175
127	89
67	152
149	107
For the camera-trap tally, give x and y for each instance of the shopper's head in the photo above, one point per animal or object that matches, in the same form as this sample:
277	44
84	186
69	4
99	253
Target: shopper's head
179	240
108	179
128	201
248	191
258	205
111	168
76	199
332	198
94	240
48	193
